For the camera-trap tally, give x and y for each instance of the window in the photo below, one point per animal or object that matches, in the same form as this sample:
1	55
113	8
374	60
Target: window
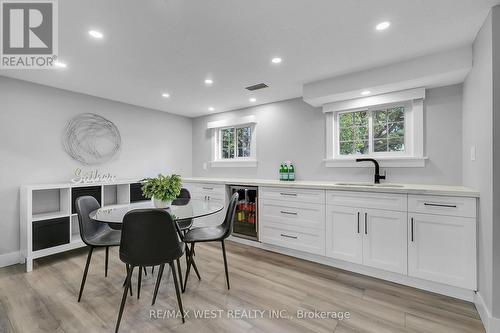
389	130
388	127
365	132
235	142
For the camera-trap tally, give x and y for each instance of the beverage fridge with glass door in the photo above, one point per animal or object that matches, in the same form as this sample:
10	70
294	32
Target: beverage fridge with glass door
245	223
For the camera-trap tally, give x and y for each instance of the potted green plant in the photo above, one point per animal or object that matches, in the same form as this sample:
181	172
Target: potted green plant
162	189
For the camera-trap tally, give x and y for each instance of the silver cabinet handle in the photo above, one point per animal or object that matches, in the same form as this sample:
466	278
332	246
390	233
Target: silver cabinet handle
288	213
358	222
289	194
288	236
439	205
208	188
411	229
366	224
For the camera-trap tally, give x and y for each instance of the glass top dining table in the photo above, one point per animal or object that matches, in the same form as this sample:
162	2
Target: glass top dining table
180	210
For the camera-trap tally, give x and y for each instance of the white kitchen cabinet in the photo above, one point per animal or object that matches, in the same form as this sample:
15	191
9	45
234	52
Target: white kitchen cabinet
371	237
443	249
385	240
293	218
344	238
212	192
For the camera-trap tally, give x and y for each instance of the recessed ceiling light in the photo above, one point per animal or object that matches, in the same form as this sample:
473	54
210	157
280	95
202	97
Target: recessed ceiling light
276	60
366	92
383	25
96	34
209	82
59	64
211	109
253	99
166	95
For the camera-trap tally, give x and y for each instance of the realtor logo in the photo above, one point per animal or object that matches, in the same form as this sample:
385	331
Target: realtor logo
28	34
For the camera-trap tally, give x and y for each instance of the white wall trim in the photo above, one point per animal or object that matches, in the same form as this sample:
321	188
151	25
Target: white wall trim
232	122
389	98
10	259
460	293
234	163
491	324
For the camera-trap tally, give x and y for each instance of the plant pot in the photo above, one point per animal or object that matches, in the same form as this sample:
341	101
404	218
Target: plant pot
161	204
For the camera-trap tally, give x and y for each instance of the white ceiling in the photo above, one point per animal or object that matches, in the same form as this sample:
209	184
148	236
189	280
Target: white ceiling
157	46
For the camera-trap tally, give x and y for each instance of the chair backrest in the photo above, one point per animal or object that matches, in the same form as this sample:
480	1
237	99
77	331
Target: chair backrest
231	210
149	238
183	198
88	228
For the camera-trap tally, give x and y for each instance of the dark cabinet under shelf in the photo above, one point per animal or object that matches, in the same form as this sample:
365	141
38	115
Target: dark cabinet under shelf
136	193
76	192
49	233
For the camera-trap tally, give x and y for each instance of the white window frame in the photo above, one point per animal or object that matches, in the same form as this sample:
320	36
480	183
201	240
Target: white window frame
413	156
217	126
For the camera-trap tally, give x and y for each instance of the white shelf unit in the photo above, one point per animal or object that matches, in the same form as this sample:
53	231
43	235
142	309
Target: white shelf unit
52	203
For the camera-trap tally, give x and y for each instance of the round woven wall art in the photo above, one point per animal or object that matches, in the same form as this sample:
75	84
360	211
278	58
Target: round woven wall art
91	139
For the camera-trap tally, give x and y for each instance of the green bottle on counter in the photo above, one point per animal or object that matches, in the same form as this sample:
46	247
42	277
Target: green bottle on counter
291	172
282	172
285	172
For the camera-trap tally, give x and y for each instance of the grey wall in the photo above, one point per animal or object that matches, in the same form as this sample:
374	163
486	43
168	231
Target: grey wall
32	118
477	131
293	130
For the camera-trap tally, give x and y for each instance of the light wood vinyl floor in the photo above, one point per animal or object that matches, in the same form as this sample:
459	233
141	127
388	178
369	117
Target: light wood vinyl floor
45	300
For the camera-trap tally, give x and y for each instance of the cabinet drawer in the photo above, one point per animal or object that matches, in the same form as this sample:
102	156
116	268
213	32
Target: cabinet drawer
385	201
288	194
298	214
438	205
302	239
201	190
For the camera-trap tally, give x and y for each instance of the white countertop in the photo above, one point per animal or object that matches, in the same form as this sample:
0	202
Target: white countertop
459	191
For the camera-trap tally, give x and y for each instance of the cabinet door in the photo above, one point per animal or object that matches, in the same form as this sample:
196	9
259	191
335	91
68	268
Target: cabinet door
343	234
212	192
385	240
442	249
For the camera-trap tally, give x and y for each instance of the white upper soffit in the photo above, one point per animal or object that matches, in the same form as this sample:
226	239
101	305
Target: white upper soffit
435	70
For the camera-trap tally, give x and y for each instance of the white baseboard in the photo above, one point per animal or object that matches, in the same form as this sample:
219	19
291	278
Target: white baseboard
439	288
491	324
10	259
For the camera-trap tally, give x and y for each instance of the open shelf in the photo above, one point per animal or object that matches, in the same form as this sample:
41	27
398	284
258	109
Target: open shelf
115	194
76	239
50	204
75	228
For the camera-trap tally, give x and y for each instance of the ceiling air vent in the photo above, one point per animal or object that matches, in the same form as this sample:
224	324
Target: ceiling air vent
257	86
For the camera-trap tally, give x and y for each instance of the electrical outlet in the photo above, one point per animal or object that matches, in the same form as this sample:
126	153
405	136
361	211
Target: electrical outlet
204	165
473	153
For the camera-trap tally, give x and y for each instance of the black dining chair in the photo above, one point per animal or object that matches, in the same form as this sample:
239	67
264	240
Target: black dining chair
183	199
94	234
149	238
184	225
211	234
